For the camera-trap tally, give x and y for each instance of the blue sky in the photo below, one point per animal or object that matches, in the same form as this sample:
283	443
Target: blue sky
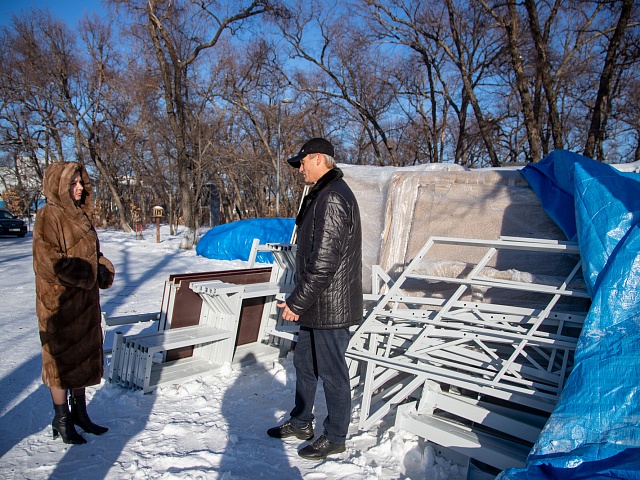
68	10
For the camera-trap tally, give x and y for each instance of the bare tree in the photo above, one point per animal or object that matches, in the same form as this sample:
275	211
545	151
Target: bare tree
189	97
346	70
31	121
253	95
92	126
540	35
63	92
175	29
461	35
599	114
508	18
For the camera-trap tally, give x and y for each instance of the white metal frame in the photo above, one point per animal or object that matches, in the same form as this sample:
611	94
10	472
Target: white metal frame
413	344
134	363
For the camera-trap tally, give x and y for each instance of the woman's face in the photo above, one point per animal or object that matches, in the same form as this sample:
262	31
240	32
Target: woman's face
76	187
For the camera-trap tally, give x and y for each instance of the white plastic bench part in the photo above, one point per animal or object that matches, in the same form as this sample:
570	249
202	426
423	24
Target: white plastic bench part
138	361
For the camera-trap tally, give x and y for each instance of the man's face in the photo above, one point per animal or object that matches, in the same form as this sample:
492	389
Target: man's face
310	168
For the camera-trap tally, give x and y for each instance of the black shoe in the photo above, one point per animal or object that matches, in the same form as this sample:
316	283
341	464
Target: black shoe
80	417
62	425
320	449
287	429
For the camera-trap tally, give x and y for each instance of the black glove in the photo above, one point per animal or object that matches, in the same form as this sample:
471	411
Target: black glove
106	273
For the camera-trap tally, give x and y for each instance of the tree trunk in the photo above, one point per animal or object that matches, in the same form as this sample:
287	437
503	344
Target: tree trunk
598	120
544	70
461	143
115	196
483	125
530	121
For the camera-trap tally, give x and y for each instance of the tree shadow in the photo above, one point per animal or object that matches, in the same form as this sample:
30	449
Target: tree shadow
26	417
250	412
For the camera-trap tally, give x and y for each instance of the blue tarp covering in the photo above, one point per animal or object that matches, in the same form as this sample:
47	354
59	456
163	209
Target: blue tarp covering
594	431
232	241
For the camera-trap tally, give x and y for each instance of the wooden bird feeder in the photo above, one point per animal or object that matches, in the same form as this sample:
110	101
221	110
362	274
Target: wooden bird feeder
158	213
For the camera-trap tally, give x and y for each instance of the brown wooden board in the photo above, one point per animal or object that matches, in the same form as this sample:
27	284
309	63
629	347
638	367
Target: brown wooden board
250	316
187	304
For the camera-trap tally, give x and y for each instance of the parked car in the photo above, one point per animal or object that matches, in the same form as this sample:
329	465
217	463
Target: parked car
11	225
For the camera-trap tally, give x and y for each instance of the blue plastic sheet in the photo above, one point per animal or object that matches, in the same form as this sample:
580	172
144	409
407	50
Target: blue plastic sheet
594	431
232	241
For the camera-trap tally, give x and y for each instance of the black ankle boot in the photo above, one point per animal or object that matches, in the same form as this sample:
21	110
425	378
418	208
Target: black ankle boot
63	425
81	418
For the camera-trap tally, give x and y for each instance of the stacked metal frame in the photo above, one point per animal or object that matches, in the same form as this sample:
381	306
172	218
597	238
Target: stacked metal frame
478	350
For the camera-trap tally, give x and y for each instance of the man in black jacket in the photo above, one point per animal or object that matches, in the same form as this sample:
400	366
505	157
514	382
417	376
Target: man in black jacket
326	300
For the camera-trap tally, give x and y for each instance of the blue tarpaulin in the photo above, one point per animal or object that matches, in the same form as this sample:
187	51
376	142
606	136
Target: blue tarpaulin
594	431
232	241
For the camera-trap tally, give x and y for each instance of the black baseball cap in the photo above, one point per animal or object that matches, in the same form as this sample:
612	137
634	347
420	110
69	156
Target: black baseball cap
315	145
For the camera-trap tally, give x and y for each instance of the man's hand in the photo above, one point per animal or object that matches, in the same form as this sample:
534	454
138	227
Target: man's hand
286	313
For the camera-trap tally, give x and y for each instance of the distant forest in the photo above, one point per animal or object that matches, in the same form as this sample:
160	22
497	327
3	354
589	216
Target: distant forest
165	101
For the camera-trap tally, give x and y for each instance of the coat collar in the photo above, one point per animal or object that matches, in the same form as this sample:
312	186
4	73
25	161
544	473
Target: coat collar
329	177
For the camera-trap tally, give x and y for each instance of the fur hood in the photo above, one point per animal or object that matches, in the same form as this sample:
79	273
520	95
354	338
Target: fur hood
55	185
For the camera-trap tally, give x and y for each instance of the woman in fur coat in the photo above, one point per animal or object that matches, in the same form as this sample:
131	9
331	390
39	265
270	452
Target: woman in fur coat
69	270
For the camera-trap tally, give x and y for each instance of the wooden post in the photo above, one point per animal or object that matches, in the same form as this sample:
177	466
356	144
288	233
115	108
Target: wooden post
157	214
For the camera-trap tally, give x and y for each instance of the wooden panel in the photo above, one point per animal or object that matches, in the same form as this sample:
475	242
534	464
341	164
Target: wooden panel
188	304
250	317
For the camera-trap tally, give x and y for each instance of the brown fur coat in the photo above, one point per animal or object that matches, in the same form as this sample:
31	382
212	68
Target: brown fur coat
69	270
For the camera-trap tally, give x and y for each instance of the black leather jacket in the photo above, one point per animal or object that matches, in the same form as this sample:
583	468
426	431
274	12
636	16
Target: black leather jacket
328	291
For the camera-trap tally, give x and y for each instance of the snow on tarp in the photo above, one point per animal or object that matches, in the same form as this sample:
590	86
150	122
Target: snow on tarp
232	241
594	431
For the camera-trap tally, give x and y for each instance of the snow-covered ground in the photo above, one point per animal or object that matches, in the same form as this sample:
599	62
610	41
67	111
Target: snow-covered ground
208	428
